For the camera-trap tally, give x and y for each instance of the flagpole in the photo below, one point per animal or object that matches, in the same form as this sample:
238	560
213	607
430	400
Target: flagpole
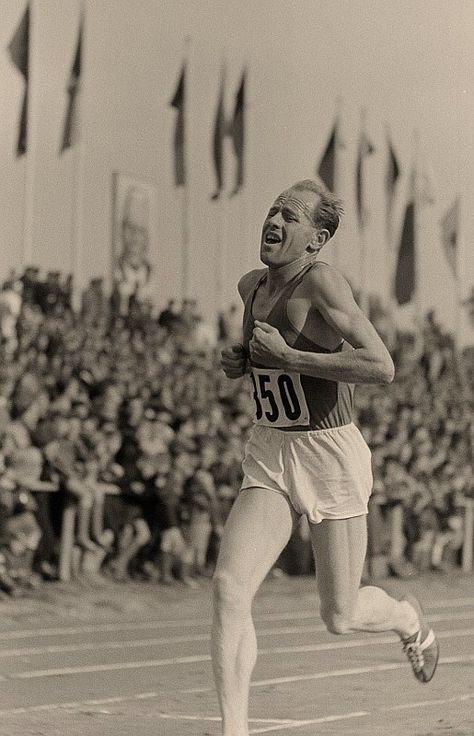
245	190
459	277
78	184
418	300
364	296
337	172
390	247
76	223
221	245
30	156
391	260
185	210
185	232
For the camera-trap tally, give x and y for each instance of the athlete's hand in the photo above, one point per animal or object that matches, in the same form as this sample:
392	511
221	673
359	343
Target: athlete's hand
268	347
234	361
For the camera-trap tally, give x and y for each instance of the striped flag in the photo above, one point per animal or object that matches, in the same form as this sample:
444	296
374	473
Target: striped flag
71	122
218	139
326	168
178	102
450	235
237	133
365	149
405	281
19	49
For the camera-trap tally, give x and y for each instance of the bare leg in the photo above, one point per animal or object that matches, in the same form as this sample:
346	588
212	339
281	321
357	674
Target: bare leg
339	547
141	535
99	535
166	568
83	526
257	530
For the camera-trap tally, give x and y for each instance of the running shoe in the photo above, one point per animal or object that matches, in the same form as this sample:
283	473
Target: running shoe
422	649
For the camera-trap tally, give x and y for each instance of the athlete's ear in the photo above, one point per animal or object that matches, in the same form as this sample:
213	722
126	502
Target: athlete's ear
318	239
323	236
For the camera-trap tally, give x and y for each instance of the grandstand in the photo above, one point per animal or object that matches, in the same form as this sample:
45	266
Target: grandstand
119	426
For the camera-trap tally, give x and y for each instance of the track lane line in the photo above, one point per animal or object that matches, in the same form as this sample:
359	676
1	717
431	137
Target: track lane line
281	723
137	643
193	659
360	714
354	671
335	673
179	717
313	721
136	625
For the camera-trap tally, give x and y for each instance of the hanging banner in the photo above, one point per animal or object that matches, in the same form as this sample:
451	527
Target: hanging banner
134	239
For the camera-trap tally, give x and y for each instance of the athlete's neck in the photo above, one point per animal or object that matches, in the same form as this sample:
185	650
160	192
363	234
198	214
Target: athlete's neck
280	276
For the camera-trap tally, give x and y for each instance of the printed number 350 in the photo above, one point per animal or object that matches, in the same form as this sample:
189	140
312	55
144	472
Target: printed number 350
284	398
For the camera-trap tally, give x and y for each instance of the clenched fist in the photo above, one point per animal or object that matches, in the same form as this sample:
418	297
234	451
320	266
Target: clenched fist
234	361
268	347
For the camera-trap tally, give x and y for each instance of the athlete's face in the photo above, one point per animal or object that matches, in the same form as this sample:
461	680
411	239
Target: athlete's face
288	230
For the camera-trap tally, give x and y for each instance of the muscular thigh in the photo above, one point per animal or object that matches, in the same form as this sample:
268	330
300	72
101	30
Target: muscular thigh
339	547
258	528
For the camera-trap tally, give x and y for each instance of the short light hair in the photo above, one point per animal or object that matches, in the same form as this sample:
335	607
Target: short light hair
330	208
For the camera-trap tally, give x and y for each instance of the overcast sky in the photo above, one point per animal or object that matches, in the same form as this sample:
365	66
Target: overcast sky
409	63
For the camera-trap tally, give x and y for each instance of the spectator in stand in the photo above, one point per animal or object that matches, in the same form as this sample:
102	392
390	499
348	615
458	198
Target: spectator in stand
50	292
202	518
229	325
10	308
94	304
132	400
203	336
163	514
124	513
170	317
21	531
30	280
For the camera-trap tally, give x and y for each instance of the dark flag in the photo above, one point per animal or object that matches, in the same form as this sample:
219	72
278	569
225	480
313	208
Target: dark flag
405	273
327	165
178	102
19	49
71	124
365	149
392	173
218	139
450	236
237	133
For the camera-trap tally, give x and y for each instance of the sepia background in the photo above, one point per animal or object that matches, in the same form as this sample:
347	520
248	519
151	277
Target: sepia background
133	189
409	64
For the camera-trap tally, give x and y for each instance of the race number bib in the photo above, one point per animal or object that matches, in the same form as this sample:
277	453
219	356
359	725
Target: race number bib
279	398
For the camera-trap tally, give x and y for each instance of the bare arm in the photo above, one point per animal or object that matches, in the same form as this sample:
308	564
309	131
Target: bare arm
234	358
368	362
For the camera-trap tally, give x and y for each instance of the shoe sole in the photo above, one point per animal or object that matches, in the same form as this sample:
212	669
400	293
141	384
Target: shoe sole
424	624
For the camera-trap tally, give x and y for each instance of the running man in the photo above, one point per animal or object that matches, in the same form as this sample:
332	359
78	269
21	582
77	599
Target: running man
305	344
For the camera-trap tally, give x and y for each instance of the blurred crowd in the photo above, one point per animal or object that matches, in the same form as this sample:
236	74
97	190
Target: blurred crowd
121	414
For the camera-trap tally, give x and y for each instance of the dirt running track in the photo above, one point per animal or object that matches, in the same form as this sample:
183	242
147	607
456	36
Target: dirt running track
133	660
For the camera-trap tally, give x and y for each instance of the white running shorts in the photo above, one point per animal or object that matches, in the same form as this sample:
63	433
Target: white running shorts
324	473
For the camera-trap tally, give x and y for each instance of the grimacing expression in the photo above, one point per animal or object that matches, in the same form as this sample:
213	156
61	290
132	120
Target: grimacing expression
288	228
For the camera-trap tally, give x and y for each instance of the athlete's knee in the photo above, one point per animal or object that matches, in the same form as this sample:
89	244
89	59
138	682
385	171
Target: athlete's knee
229	593
337	620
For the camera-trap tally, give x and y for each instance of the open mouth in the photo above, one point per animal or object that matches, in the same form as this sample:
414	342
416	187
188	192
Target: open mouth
272	236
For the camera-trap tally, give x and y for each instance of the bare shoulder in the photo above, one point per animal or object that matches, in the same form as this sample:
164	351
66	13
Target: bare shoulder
326	285
248	281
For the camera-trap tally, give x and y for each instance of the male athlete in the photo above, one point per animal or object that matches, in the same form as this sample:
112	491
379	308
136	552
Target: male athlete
305	344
